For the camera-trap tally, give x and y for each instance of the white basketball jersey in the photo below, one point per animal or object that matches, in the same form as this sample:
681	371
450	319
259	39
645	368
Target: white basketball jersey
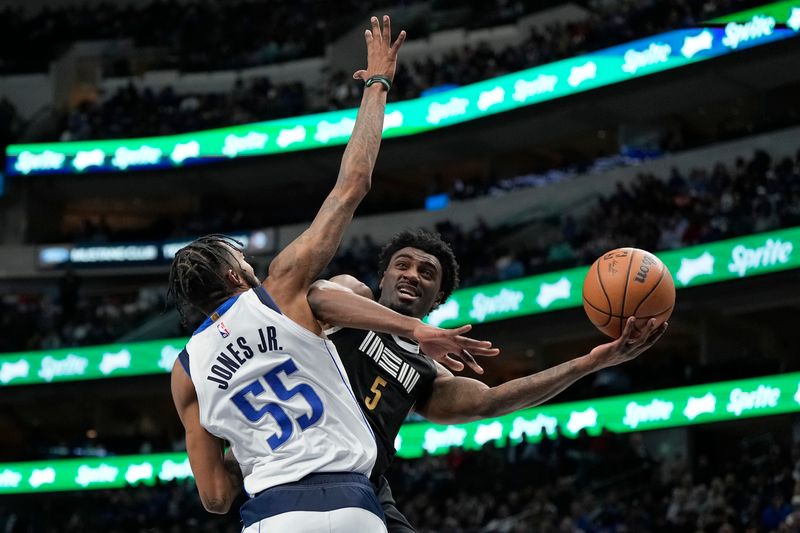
278	393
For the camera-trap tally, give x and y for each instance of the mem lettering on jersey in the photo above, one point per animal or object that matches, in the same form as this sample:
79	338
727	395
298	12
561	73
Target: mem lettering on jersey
404	373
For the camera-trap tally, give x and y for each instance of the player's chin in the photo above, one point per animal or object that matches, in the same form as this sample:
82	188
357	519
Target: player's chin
404	308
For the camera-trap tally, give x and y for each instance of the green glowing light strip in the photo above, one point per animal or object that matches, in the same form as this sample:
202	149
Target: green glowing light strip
772	22
698	265
700	404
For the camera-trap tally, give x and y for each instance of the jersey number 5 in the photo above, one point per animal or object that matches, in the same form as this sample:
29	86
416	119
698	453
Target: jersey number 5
372	403
275	410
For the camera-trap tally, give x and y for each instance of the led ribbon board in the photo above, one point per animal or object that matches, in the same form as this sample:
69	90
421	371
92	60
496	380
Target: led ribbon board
674	49
93	362
668	408
698	265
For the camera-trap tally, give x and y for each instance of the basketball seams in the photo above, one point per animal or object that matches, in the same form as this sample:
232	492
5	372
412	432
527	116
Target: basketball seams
639	295
602	287
627	281
652	290
590	304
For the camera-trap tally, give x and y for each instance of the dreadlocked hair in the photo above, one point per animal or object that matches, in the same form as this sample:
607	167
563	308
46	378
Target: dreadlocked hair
196	278
430	243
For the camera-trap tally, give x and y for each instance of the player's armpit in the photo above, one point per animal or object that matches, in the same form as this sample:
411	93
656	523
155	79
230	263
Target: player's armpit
205	451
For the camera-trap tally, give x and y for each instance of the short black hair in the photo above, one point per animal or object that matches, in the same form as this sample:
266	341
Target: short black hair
430	243
196	278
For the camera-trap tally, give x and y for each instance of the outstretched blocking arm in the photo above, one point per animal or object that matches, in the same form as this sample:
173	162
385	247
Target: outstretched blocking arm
217	475
457	399
300	263
339	305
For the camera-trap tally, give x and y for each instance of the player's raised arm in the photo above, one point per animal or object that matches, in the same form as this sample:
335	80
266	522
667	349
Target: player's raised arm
457	399
299	264
339	305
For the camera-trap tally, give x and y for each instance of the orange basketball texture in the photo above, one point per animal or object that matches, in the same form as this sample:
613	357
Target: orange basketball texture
627	282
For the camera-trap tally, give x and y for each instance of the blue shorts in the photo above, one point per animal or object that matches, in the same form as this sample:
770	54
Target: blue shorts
318	502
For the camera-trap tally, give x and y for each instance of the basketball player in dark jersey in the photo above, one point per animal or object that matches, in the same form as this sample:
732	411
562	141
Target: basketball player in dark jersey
390	377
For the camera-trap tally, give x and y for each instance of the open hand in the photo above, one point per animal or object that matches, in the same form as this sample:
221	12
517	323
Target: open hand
627	347
381	53
443	344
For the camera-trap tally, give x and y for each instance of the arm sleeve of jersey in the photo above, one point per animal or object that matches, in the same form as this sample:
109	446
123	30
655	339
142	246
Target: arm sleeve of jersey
425	387
345	339
183	357
266	299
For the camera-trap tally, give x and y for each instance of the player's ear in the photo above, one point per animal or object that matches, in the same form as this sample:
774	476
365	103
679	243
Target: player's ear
232	277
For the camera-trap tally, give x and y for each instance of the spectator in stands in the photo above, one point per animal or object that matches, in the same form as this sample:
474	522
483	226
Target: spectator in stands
262	36
686	209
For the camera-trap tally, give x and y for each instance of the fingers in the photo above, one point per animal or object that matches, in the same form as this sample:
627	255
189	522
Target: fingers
387	29
385	33
483	351
376	28
482	348
648	329
360	74
398	42
462	330
471	362
655	335
625	338
453	364
643	334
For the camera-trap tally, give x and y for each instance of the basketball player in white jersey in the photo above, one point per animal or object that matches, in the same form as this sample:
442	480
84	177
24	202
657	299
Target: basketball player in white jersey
258	374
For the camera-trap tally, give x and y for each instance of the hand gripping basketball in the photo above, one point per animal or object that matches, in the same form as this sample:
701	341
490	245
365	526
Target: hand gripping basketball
628	346
627	282
381	53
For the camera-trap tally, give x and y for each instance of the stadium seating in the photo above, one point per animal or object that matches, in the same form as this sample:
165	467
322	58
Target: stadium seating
682	209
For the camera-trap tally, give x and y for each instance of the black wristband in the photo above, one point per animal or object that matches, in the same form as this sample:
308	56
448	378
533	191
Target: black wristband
383	80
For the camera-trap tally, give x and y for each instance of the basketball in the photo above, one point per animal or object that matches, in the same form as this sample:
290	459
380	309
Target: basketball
627	282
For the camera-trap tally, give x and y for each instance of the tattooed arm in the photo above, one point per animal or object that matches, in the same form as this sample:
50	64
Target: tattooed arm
298	265
458	399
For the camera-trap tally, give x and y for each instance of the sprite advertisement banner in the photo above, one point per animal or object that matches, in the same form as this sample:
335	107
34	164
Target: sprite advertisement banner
668	408
674	49
93	362
94	473
698	265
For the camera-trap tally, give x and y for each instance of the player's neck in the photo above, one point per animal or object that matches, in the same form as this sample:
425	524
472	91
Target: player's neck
219	302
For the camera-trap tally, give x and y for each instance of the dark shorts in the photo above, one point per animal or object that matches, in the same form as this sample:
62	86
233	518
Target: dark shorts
395	521
315	492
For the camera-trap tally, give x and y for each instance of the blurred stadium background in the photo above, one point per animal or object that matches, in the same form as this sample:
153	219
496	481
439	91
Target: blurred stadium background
532	135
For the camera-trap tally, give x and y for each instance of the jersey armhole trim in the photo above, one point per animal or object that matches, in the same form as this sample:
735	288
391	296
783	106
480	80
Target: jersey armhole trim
332	330
266	299
183	357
